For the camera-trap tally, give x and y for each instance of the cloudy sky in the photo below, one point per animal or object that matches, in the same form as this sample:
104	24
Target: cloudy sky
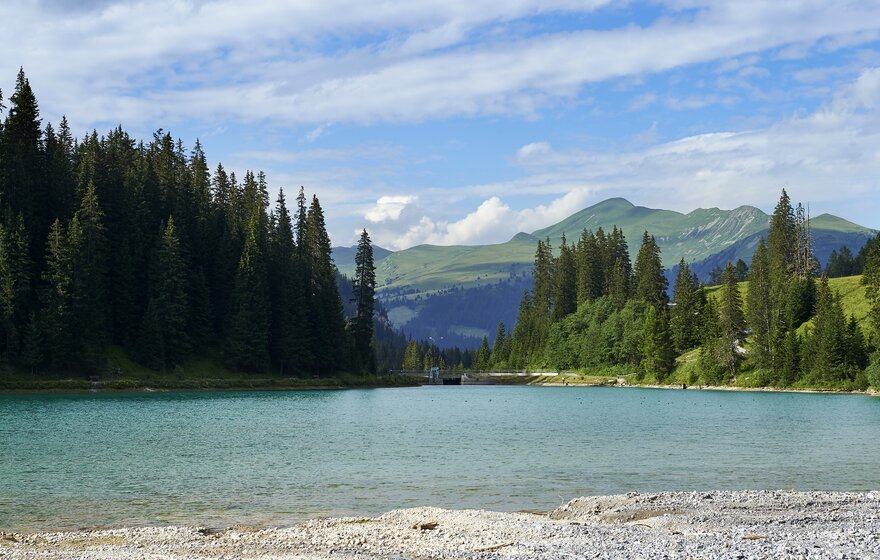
465	121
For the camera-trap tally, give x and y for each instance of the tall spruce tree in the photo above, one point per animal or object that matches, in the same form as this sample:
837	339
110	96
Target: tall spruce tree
759	310
685	314
364	355
247	335
871	281
651	283
731	322
325	307
290	347
169	300
565	282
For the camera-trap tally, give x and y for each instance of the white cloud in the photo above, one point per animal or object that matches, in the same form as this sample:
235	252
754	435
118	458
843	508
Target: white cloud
398	222
389	208
163	61
829	158
533	149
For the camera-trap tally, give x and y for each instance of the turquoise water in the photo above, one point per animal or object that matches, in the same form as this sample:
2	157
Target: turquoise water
273	458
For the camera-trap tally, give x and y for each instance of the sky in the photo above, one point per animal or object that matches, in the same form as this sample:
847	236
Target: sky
467	121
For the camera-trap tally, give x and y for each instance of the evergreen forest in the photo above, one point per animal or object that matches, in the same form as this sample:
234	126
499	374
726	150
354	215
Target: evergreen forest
112	244
775	323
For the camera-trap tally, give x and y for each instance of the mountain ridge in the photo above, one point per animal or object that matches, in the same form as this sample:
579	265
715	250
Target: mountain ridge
419	282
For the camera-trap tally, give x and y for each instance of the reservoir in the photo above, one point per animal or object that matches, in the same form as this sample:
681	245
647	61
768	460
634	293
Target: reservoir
277	457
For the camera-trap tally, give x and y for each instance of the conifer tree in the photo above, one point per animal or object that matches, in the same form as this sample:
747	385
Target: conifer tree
589	268
650	280
168	289
412	357
565	280
57	300
248	330
500	347
87	243
542	292
684	315
289	333
871	281
364	293
482	357
731	322
328	330
657	353
760	309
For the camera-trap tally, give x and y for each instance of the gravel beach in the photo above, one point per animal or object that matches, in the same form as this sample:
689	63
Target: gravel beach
759	524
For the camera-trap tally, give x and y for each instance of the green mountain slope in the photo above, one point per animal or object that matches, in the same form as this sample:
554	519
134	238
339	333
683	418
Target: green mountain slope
343	257
705	236
428	268
693	236
447	274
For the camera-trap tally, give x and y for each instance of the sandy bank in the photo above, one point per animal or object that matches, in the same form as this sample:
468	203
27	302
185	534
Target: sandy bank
667	525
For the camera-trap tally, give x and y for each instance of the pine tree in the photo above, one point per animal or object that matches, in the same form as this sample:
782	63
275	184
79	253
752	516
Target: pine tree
565	280
57	300
168	288
364	293
500	348
657	353
542	292
22	186
871	281
289	334
760	309
90	304
482	358
651	283
589	268
684	315
247	337
731	322
328	330
15	268
412	357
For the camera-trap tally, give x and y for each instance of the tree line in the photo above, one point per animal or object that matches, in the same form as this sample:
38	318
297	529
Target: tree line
592	309
112	241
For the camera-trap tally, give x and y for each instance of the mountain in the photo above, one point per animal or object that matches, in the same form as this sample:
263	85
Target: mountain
343	257
421	284
693	236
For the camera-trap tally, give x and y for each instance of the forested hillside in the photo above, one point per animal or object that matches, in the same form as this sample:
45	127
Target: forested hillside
110	242
592	309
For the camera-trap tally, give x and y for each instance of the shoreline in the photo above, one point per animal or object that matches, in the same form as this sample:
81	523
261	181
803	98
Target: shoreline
730	388
195	386
152	388
709	524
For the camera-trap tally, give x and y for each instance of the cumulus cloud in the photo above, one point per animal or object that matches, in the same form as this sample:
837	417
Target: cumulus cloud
399	222
829	157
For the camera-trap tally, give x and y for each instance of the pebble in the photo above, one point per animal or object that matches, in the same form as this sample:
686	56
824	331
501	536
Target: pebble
707	525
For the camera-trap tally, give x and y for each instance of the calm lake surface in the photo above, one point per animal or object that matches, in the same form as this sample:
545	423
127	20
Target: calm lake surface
274	458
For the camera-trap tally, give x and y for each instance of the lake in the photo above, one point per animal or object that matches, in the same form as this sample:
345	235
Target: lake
277	457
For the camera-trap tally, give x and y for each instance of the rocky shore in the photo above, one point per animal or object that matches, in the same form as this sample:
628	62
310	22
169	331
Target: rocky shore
706	525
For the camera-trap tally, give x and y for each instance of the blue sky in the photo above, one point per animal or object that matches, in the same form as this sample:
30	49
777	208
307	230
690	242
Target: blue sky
465	121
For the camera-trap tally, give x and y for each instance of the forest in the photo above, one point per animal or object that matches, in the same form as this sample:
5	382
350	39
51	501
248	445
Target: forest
109	242
591	309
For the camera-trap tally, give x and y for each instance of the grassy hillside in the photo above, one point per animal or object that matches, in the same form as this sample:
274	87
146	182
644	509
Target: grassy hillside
427	268
343	257
852	298
692	236
705	237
